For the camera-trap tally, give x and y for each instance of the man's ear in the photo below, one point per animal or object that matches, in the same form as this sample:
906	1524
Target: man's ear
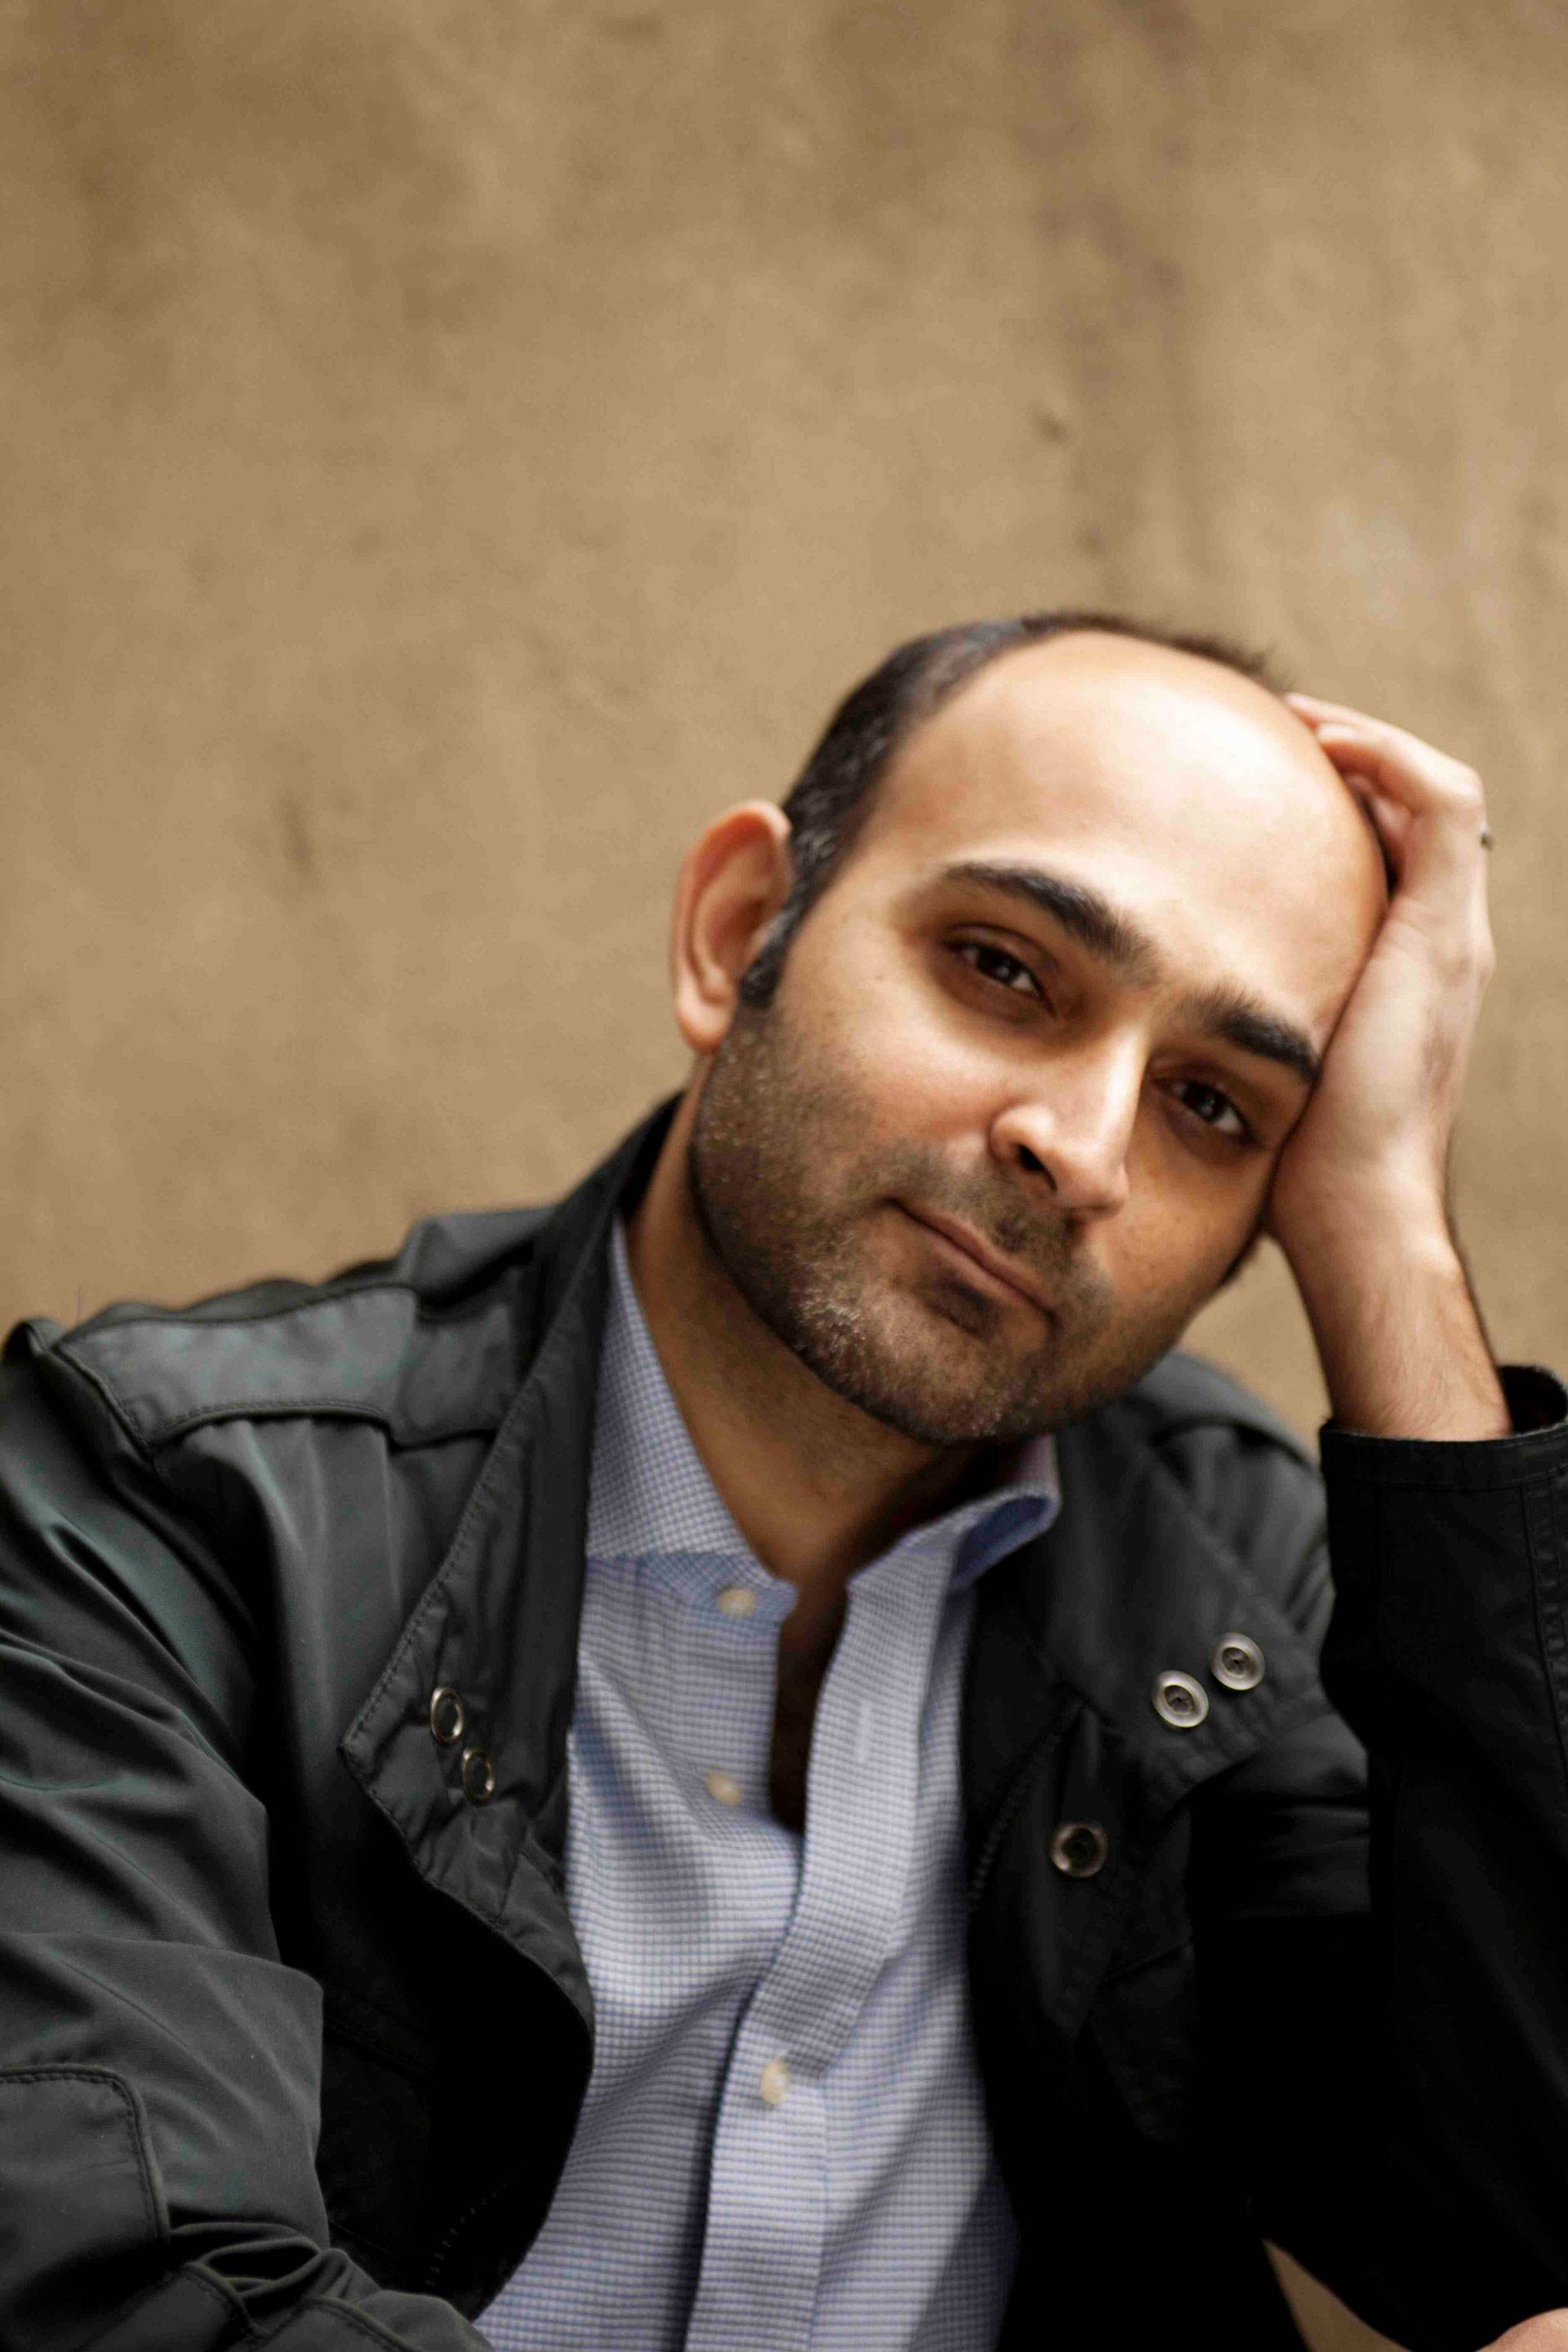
735	878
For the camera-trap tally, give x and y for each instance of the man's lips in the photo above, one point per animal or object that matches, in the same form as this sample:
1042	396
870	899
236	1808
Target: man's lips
980	1253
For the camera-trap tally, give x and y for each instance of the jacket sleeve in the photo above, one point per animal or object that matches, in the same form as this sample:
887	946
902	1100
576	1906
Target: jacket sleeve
160	2065
1384	1939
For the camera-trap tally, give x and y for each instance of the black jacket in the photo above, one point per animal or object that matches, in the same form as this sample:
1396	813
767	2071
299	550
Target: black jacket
295	2028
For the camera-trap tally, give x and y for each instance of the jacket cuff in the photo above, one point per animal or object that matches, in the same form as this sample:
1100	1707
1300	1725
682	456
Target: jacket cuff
1537	1408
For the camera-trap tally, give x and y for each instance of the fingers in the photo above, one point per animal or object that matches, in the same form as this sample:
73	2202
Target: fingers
1389	821
1429	811
1410	772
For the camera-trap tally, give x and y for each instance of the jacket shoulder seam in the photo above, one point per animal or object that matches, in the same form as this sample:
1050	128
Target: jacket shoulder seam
164	1318
167	1429
306	1407
96	1378
183	1504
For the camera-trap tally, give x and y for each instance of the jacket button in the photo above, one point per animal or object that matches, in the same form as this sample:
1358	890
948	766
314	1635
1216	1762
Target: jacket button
1078	1849
478	1775
445	1717
1237	1663
1180	1702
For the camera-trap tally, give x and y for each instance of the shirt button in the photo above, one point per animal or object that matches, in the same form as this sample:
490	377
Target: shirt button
772	2084
1237	1663
1180	1702
738	1600
723	1787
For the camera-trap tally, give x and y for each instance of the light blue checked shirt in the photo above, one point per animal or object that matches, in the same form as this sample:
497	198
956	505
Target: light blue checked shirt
784	2145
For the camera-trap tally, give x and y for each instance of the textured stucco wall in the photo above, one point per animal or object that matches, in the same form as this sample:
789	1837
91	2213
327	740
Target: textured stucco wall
455	445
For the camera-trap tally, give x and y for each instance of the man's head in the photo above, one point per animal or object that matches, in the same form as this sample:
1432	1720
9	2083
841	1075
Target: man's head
1069	918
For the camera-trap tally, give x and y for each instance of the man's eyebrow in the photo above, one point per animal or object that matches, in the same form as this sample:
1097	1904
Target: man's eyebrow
1113	937
1102	929
1242	1020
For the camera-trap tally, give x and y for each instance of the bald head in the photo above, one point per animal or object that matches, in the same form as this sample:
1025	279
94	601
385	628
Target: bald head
1154	721
1187	714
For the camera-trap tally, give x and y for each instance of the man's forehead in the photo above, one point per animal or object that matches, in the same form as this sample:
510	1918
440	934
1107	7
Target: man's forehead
1190	795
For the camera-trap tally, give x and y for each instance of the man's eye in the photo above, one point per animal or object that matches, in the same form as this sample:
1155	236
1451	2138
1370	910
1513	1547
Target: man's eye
1215	1110
995	964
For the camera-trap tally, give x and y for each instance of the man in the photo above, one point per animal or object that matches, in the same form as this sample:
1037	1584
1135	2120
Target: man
741	1762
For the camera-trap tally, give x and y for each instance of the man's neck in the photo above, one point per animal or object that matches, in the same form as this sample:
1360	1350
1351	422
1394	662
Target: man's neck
817	1486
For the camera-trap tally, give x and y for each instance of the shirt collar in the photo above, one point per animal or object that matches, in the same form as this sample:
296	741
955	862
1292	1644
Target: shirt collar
651	1495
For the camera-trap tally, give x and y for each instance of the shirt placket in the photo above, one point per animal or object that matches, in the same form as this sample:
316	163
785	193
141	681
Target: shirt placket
767	2206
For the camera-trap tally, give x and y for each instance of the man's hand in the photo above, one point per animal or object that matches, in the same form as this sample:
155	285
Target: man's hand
1382	1118
1358	1203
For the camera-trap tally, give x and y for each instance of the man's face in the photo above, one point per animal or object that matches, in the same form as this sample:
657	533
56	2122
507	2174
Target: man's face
1049	1002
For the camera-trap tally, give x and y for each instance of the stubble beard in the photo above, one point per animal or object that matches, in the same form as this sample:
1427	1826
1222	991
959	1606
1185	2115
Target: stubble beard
784	1194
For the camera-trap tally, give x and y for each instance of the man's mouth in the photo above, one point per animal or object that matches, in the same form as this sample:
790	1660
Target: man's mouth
997	1272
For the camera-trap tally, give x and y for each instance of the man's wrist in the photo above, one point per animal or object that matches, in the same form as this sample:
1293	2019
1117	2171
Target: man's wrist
1397	1330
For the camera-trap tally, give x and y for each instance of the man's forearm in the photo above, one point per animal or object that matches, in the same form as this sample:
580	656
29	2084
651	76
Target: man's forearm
1398	1334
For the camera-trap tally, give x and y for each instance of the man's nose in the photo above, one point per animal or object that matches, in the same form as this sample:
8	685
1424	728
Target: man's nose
1073	1129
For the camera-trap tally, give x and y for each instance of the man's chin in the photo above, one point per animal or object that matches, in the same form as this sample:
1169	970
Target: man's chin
931	1406
942	1387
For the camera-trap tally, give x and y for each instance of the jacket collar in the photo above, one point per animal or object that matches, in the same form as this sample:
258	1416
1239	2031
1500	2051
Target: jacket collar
498	1623
1129	1585
1072	1637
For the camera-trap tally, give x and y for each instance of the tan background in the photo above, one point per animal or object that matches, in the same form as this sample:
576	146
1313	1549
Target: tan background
455	446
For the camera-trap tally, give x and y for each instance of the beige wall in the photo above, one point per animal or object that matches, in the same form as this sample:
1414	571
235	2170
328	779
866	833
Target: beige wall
455	445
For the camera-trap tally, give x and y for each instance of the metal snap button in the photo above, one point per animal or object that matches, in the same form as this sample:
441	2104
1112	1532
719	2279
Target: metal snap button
1078	1849
478	1775
1237	1663
445	1717
1180	1702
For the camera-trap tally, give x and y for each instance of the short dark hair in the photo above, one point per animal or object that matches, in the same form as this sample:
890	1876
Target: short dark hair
828	803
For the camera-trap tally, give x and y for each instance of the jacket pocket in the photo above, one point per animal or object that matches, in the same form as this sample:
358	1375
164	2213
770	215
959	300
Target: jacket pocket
83	2225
